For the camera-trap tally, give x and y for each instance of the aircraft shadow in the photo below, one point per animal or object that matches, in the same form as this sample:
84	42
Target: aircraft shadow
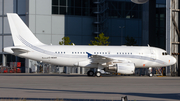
51	99
170	96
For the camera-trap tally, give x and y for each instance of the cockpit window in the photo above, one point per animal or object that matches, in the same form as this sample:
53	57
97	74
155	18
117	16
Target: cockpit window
164	53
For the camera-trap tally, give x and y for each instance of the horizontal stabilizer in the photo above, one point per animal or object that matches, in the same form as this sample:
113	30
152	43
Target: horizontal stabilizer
19	50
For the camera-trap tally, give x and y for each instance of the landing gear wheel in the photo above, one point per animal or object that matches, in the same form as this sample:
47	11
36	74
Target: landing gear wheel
90	73
98	74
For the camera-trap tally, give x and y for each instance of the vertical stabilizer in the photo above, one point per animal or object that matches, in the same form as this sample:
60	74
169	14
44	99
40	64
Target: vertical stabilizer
21	34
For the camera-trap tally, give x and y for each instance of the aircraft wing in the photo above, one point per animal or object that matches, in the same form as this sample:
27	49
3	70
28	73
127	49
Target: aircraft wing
100	59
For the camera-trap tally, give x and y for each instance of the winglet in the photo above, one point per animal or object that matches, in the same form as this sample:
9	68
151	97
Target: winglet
89	54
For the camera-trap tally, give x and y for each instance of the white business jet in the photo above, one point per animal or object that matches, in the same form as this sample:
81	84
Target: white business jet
117	59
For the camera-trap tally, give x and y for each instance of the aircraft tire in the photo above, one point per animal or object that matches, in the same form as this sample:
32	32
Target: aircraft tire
98	74
90	73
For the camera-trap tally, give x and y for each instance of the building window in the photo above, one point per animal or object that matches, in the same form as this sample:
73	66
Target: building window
59	7
124	9
73	7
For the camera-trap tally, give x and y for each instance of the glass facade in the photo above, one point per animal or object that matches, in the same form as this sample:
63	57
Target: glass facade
73	7
161	25
116	9
124	9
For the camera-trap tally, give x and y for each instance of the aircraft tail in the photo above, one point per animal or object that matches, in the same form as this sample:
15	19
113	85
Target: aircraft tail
21	34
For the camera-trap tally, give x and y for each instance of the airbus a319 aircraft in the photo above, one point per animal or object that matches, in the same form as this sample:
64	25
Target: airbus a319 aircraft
117	59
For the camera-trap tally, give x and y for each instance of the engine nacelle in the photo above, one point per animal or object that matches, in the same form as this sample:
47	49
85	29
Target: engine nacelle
125	68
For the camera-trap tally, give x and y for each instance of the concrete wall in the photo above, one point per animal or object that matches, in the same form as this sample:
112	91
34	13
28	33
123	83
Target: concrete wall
10	6
48	28
6	6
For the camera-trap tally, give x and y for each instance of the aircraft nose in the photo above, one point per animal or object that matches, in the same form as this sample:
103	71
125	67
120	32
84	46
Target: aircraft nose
173	59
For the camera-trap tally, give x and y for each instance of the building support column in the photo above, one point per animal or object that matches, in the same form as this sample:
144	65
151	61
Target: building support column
79	70
83	70
49	65
168	31
27	66
67	70
4	60
3	55
172	33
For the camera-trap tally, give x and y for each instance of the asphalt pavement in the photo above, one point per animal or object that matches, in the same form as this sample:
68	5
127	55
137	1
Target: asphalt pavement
58	87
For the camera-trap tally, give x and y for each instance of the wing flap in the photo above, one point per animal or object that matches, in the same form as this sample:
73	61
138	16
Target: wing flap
104	59
99	58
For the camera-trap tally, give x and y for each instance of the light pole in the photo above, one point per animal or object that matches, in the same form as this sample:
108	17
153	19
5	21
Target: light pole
121	27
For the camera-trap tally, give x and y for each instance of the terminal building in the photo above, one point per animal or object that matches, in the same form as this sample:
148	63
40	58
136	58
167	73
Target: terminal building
81	21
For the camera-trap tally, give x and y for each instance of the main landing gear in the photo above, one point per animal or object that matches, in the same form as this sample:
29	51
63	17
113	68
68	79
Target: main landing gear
92	73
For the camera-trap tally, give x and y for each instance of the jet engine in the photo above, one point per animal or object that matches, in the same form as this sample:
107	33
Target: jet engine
123	68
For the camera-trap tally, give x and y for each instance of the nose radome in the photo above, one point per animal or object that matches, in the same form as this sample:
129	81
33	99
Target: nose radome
173	60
